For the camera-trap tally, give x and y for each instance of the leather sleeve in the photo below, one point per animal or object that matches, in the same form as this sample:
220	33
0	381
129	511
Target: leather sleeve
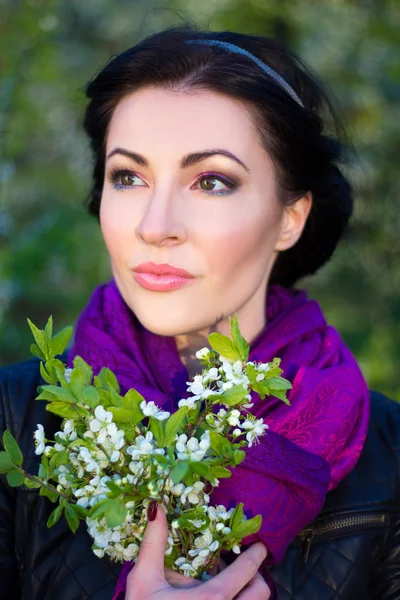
385	582
9	573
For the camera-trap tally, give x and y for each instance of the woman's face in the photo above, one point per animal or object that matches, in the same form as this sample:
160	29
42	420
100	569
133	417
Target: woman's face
217	217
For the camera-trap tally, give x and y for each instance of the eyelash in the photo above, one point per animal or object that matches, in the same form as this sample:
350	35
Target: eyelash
116	172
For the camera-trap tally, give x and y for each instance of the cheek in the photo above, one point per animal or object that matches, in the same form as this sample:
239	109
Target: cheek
240	247
116	227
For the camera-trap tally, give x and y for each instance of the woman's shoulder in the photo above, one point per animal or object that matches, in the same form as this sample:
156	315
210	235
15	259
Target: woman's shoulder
19	410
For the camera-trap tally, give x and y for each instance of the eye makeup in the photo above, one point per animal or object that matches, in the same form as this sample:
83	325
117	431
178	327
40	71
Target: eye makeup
116	173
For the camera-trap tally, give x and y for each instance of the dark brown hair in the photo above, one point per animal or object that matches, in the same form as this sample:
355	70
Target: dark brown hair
306	156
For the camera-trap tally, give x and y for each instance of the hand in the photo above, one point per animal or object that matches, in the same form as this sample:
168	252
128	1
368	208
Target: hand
147	580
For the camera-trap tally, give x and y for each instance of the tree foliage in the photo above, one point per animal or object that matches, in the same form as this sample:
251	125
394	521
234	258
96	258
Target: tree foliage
52	254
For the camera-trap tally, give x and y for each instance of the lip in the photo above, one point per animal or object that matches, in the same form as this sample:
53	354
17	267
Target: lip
162	269
161	277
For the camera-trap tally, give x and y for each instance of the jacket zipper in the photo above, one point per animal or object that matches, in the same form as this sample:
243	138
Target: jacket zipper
319	529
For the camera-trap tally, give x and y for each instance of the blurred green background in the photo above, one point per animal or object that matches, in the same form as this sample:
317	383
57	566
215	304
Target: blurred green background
51	252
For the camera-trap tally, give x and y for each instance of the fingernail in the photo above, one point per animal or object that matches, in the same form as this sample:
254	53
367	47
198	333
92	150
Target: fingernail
152	510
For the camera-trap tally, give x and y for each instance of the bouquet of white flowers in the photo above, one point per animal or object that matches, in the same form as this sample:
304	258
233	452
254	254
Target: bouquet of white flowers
115	454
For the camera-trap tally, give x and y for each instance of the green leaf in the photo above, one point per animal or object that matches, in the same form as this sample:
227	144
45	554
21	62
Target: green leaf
202	469
77	382
12	448
179	471
98	509
80	512
109	379
32	485
116	513
219	444
236	517
62	409
220	472
238	456
116	399
281	396
47	376
248	527
278	383
55	515
233	395
49	327
58	459
132	400
71	517
60	341
188	516
41	339
46	467
223	345
157	428
90	396
240	344
169	559
50	494
82	365
173	424
57	393
120	415
36	351
15	478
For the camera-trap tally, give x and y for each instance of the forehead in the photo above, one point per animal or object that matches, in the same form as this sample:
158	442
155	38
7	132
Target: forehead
184	120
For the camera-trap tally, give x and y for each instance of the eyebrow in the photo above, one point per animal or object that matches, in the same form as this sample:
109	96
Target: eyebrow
185	162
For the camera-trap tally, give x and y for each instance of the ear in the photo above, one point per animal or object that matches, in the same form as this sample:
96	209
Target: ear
293	221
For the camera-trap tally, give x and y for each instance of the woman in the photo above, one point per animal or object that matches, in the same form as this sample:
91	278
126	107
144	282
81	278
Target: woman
216	188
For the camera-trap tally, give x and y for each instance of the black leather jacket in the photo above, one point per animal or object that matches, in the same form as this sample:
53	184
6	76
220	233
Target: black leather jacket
350	552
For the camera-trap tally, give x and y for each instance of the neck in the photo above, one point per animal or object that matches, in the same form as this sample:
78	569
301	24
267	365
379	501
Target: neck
252	320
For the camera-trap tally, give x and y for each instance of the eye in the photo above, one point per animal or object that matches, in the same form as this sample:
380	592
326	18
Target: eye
123	179
208	185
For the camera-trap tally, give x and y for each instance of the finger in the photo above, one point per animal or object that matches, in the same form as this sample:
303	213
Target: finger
232	580
257	588
179	580
150	562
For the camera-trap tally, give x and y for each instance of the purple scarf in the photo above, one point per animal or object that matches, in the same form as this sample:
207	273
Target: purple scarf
310	446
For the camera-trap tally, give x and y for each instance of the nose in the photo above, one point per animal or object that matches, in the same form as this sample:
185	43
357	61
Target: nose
162	222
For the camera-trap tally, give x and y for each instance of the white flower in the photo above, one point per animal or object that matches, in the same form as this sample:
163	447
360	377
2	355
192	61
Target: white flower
219	513
67	374
69	433
177	489
184	566
234	417
87	458
101	422
151	410
189	402
99	531
236	549
204	544
196	386
39	439
212	374
203	353
263	367
193	493
255	428
144	446
192	449
170	545
136	467
117	552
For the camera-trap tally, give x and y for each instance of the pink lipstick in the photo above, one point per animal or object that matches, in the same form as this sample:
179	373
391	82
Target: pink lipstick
162	277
